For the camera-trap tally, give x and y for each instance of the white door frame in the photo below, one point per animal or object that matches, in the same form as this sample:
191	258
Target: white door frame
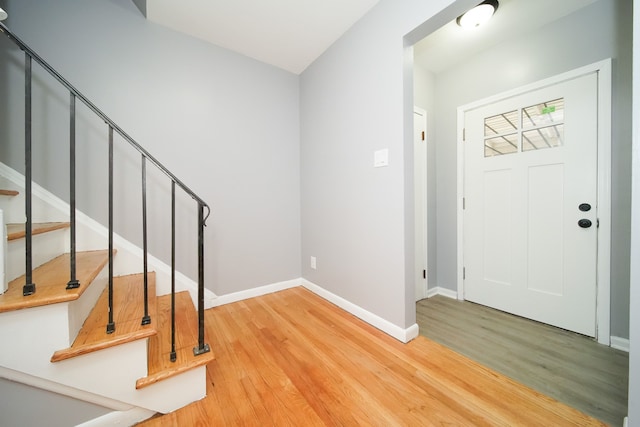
422	286
603	298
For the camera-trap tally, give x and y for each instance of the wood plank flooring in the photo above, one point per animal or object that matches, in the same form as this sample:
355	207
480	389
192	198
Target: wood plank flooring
291	358
567	366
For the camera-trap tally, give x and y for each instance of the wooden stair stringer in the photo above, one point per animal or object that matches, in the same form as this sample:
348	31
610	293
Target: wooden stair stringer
160	366
128	312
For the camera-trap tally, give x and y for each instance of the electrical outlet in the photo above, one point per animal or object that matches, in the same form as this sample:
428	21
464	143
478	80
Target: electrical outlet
313	262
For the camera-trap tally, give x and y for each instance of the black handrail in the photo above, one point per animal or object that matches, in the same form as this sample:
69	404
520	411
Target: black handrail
102	115
29	287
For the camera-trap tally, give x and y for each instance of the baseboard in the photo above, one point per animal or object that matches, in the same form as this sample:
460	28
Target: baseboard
620	343
442	291
183	282
403	335
120	418
254	292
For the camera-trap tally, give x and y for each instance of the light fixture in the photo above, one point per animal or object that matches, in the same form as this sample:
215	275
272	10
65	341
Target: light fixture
3	14
478	15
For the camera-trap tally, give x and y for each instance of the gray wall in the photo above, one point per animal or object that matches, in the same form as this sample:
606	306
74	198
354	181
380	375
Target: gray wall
356	219
597	32
26	406
226	125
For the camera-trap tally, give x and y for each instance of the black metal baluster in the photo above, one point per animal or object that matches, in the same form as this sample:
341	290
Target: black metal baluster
111	326
146	319
173	271
73	281
29	287
202	347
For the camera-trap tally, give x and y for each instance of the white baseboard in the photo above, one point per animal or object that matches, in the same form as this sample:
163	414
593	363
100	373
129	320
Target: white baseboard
163	270
403	335
120	418
620	343
442	291
254	292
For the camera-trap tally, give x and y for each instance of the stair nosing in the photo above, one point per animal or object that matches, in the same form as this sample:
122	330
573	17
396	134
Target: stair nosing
38	228
72	352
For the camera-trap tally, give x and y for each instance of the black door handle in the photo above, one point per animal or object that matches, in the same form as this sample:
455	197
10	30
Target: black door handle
585	223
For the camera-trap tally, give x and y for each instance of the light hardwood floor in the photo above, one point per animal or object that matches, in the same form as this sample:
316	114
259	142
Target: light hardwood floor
293	359
564	365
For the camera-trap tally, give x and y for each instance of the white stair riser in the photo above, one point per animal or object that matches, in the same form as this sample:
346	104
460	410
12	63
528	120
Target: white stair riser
46	247
79	309
28	335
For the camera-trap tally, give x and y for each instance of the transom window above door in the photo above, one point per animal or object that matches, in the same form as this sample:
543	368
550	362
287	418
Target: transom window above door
529	128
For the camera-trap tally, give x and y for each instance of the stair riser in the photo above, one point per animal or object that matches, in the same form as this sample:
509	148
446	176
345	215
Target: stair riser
14	206
30	333
80	308
45	247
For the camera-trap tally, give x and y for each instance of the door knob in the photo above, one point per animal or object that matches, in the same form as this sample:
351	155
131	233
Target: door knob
585	223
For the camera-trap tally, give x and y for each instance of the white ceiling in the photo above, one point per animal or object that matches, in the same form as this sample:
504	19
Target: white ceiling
289	34
451	44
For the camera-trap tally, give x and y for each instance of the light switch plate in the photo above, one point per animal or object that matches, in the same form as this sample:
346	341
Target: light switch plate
381	158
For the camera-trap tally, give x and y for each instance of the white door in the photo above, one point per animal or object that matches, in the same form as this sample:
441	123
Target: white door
420	199
530	214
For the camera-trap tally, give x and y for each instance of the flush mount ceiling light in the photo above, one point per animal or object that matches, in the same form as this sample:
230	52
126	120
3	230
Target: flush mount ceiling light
3	14
478	15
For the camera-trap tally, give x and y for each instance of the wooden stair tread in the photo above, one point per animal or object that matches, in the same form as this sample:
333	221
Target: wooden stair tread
8	193
51	279
16	231
159	365
128	297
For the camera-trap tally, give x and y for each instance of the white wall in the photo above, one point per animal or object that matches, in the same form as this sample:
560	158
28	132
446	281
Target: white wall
597	32
226	125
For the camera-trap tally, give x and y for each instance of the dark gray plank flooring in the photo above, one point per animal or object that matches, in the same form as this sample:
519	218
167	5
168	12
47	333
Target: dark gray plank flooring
569	367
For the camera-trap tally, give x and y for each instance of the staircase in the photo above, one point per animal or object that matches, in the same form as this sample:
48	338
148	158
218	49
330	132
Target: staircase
56	338
76	318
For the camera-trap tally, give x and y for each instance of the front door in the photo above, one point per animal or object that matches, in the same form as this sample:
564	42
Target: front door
530	214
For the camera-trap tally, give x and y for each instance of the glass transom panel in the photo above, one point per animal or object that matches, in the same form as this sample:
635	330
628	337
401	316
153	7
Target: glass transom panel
530	128
501	124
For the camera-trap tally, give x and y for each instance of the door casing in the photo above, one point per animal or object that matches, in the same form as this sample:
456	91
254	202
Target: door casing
421	196
603	298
